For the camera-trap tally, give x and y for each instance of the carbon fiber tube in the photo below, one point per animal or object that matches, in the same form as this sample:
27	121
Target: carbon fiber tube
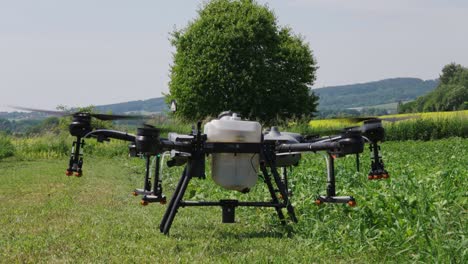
302	147
179	146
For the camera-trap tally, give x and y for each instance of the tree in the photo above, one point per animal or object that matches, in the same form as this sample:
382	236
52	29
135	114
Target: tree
6	126
449	71
451	93
235	57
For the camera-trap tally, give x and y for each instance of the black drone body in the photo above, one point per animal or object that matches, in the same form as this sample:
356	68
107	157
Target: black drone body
237	154
275	151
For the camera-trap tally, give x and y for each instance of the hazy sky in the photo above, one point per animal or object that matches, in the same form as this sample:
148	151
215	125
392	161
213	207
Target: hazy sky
85	52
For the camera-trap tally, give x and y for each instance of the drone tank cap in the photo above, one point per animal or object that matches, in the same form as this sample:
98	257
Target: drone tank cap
225	113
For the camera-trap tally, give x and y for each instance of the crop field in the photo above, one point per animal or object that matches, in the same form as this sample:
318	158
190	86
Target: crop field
418	126
334	123
418	215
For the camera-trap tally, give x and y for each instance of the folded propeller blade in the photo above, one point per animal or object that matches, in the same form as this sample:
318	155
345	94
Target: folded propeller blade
49	112
104	117
396	119
371	118
109	117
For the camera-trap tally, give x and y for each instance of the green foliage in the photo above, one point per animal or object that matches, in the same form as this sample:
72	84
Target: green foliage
50	146
48	125
46	146
18	127
235	57
6	147
450	95
6	126
373	93
417	216
449	72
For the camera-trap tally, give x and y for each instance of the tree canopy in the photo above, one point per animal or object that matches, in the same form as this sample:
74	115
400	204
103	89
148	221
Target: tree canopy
234	56
451	93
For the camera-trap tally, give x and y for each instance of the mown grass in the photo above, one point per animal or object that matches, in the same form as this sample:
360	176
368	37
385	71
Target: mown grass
419	215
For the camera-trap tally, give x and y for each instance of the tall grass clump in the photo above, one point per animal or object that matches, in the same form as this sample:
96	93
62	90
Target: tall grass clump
7	149
110	149
42	147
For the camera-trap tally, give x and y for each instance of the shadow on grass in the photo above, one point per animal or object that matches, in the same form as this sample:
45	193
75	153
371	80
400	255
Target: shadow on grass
278	231
219	233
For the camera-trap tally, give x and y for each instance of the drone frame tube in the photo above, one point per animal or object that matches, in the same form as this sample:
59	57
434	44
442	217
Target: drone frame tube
198	148
267	152
228	215
109	133
303	147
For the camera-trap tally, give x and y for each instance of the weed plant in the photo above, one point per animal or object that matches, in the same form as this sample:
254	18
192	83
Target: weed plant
6	147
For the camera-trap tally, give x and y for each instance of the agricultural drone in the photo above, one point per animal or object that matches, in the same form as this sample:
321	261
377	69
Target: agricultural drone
239	151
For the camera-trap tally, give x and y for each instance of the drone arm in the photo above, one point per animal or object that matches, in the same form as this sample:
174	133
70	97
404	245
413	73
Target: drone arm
168	145
108	133
302	147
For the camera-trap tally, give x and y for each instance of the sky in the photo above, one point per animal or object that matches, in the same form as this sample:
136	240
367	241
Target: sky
95	52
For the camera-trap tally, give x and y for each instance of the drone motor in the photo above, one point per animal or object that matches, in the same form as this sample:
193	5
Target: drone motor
80	125
147	140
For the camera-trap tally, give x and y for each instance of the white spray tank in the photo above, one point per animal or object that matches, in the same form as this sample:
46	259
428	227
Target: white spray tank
229	170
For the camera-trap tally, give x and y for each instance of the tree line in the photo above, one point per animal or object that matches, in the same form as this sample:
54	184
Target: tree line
451	93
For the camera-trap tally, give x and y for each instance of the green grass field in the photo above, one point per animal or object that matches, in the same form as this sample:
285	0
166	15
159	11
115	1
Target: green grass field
419	215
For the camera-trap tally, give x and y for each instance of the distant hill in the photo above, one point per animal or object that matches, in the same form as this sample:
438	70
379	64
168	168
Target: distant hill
153	105
451	94
373	93
377	94
360	95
